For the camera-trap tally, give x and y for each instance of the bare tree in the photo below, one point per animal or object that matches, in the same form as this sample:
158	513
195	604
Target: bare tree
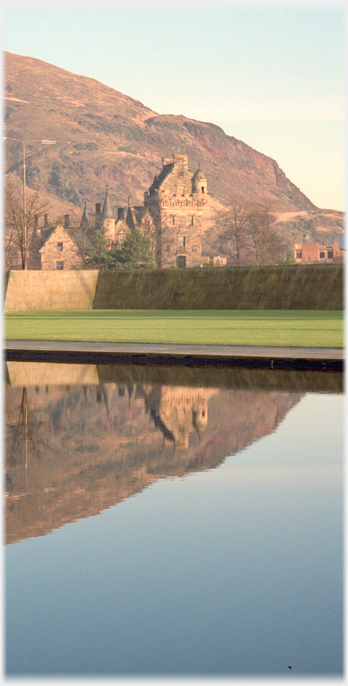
14	238
267	245
247	235
233	239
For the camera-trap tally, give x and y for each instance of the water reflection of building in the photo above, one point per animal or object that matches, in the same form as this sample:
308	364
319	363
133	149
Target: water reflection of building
178	411
74	450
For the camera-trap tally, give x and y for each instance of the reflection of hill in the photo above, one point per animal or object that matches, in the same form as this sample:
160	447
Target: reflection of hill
72	451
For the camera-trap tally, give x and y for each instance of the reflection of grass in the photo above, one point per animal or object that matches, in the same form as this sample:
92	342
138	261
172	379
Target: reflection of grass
307	328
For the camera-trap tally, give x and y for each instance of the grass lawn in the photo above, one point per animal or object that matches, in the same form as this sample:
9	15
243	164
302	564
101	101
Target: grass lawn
303	328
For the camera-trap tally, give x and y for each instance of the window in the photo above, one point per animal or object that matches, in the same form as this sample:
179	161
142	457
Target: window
299	255
322	255
191	220
203	189
181	261
59	265
330	254
181	241
60	246
172	218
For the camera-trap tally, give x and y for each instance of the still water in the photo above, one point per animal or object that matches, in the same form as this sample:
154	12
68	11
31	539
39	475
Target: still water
172	522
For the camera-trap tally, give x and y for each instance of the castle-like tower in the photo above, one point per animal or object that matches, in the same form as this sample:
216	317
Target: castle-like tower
171	215
176	201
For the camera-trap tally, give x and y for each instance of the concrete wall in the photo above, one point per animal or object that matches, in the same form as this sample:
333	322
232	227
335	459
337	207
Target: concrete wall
316	287
27	291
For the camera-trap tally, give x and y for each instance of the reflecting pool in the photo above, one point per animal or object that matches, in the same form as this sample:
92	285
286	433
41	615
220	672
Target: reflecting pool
173	522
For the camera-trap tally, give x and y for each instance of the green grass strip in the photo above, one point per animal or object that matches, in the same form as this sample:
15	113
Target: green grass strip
291	328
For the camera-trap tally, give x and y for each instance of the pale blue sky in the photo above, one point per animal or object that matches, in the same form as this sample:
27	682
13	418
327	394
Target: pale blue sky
270	74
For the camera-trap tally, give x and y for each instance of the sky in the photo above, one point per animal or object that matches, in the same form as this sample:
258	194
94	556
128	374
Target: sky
268	73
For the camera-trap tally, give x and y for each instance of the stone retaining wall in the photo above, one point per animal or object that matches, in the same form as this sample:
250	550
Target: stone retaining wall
315	287
27	291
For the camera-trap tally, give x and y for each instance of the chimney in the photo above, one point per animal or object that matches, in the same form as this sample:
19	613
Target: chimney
181	160
46	221
66	221
167	160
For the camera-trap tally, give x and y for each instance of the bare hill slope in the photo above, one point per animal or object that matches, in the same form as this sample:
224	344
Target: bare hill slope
107	138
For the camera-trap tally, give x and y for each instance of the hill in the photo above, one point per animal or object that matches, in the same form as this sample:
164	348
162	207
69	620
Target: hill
105	138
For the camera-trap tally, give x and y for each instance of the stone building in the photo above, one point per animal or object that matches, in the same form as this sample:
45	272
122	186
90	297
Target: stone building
54	247
171	215
175	203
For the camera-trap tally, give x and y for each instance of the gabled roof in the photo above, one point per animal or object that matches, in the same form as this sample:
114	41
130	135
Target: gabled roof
159	178
73	234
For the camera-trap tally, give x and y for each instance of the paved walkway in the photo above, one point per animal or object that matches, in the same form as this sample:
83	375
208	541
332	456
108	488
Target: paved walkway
176	354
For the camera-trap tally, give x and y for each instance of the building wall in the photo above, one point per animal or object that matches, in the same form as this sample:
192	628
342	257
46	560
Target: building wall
178	234
108	229
306	253
60	251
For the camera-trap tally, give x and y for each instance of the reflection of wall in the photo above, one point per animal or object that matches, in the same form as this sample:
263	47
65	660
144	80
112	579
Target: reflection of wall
72	451
36	374
289	380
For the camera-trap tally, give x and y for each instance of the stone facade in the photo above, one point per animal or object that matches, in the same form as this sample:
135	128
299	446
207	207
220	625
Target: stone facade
60	251
54	246
175	202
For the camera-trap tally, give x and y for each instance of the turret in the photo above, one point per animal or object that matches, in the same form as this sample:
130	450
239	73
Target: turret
199	183
107	212
107	224
84	218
